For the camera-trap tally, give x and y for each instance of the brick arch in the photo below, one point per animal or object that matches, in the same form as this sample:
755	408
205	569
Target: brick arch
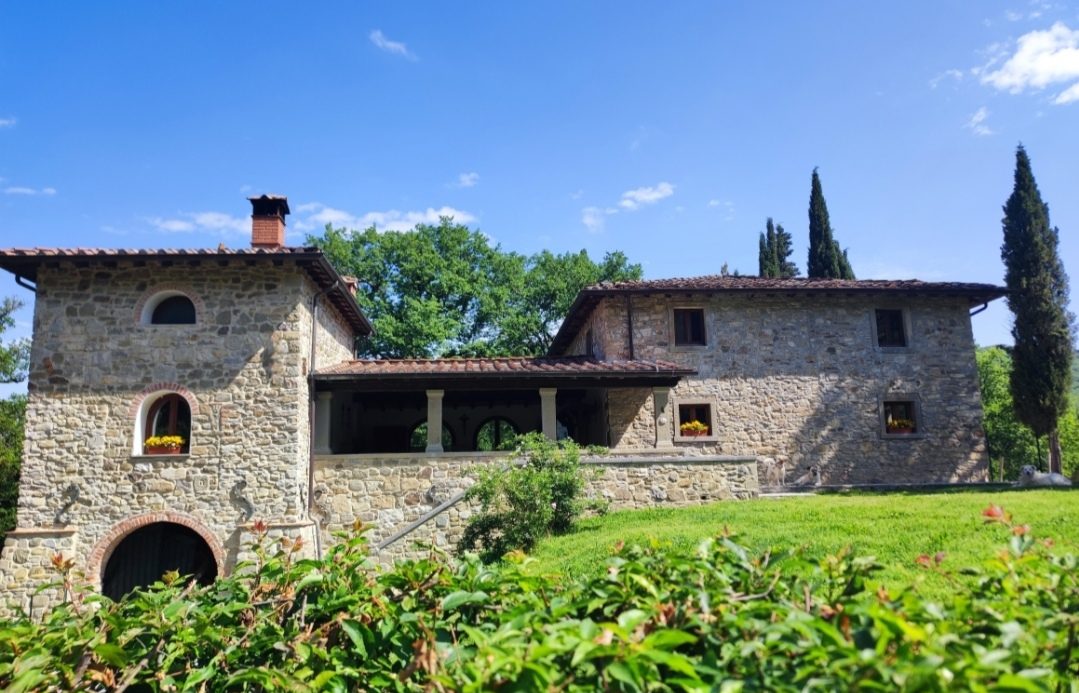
158	289
167	388
104	547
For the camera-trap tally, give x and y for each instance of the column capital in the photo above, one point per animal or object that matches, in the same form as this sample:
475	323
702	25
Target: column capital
324	395
435	394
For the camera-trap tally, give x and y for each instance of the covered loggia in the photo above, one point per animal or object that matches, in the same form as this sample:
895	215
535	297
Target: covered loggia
474	404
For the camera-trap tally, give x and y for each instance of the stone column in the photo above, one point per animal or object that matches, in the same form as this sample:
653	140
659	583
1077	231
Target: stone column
661	398
323	415
434	420
548	413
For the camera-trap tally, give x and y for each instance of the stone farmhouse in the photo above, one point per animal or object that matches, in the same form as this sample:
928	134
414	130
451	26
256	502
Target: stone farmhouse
703	389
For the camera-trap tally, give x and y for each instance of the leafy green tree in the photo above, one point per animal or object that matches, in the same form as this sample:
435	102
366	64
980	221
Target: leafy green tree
550	282
444	289
826	258
14	359
1012	444
1038	296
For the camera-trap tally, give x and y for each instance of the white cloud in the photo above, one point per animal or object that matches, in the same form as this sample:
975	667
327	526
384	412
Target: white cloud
22	190
214	222
950	74
7	122
318	215
1041	59
468	180
595	218
635	199
393	47
977	123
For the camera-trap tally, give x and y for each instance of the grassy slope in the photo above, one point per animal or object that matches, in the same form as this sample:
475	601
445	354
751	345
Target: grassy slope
895	528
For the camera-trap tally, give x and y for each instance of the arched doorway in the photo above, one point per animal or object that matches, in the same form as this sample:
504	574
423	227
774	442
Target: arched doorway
147	553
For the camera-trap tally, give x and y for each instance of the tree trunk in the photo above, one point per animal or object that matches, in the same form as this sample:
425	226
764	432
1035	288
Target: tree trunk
1055	462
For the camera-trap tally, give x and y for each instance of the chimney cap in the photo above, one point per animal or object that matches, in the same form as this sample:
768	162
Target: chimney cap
269	205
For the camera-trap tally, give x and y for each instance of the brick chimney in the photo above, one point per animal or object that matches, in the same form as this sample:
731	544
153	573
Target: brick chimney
268	221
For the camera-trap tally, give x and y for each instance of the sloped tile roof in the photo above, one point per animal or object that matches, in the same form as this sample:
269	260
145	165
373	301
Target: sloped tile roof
495	367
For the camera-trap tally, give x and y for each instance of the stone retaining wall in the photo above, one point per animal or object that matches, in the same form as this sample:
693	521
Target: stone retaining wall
389	492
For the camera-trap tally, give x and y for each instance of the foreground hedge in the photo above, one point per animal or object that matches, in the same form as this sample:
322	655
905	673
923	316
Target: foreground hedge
717	620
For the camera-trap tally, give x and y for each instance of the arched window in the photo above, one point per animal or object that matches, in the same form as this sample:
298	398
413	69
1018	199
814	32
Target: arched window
169	307
495	434
174	310
417	440
169	415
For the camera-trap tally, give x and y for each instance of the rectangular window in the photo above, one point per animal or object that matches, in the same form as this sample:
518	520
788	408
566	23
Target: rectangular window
900	417
891	328
589	343
689	327
694	420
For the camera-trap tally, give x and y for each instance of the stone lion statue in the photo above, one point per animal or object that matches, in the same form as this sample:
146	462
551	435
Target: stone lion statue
1029	476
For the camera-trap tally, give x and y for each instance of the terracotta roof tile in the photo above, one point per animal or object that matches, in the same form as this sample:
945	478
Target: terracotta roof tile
495	367
728	283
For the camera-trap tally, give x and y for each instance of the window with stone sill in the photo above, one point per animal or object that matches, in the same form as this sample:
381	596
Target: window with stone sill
891	328
693	415
900	418
167	415
688	327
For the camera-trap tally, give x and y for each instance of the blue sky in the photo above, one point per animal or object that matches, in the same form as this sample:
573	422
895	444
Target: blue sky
667	130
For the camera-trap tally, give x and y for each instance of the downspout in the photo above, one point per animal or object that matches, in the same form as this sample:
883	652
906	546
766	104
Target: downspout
24	283
311	421
629	325
984	306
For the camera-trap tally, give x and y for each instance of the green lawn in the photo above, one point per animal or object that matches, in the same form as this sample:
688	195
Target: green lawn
894	527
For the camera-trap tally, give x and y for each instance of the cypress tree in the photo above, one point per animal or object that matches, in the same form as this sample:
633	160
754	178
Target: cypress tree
1038	296
764	258
784	248
768	261
826	259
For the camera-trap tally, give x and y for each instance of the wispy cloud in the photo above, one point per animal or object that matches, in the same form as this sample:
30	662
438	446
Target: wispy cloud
212	222
468	180
383	43
977	123
948	75
595	218
638	197
22	190
1041	59
7	122
726	207
316	215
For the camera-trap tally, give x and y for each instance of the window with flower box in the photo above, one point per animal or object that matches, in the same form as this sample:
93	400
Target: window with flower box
900	417
695	421
167	426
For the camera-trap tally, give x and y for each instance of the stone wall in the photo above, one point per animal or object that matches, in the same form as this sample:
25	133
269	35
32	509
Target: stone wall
242	368
799	380
388	492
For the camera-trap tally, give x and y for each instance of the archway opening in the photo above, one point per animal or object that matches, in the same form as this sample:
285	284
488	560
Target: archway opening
144	555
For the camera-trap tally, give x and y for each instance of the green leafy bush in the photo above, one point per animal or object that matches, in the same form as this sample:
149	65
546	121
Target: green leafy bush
720	619
537	494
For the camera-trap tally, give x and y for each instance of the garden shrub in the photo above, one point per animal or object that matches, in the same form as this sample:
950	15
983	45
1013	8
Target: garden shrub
719	619
538	493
